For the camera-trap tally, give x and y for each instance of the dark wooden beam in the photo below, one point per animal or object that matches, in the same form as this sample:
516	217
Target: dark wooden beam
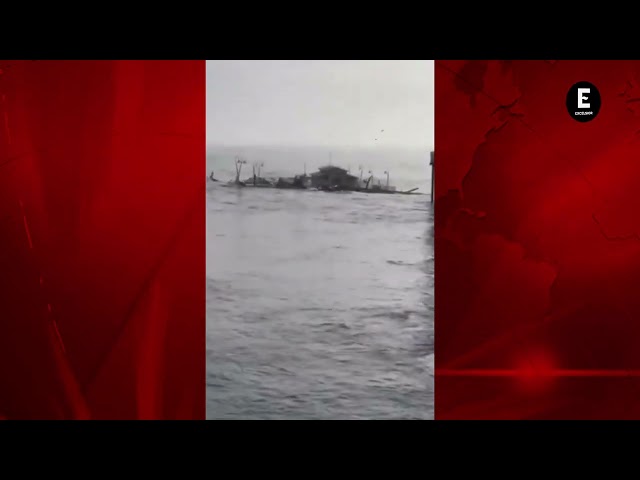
433	177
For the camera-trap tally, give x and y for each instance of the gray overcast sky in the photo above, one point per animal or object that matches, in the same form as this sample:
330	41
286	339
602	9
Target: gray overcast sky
320	103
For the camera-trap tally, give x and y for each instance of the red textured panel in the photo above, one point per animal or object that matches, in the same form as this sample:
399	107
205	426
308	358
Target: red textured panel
537	241
102	229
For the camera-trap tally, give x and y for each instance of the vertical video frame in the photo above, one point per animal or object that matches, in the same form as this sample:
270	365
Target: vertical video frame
319	240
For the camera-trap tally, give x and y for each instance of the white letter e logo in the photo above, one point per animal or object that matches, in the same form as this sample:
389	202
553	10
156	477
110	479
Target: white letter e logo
581	97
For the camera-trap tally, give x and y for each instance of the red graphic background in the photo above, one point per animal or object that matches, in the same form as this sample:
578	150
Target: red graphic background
537	242
102	227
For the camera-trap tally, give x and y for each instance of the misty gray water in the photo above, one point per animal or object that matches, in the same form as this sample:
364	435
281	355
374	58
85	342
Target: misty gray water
319	305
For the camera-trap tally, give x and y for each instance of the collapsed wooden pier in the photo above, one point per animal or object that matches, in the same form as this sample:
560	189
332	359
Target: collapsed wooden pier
329	179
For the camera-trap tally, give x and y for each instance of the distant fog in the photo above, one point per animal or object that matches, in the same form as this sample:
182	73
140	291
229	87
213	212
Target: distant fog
321	102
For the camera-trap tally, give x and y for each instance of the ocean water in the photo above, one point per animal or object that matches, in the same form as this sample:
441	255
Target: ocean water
319	305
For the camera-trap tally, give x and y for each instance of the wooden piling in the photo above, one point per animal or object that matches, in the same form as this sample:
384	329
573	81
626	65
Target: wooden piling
433	177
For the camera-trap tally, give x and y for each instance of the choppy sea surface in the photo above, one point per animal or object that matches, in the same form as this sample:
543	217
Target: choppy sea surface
319	305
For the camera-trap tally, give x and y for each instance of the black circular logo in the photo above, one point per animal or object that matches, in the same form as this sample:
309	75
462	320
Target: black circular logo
583	102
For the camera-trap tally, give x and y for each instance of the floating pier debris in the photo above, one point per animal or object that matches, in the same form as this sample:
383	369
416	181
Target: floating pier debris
237	183
328	179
